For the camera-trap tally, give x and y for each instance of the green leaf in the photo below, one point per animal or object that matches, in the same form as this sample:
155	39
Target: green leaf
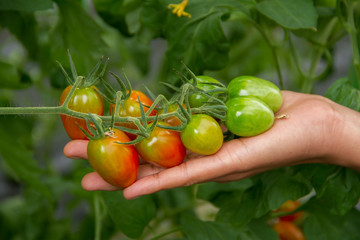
12	77
271	190
337	188
78	32
280	187
114	13
258	229
130	216
343	92
240	209
322	225
25	5
197	229
209	191
189	40
292	14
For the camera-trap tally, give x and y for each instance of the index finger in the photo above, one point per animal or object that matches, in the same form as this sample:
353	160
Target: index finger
190	172
76	149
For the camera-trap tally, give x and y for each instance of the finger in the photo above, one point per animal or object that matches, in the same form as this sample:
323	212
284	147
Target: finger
188	173
94	182
76	149
148	169
236	176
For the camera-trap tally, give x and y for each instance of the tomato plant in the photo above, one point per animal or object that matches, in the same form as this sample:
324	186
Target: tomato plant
163	148
202	135
116	163
86	100
248	116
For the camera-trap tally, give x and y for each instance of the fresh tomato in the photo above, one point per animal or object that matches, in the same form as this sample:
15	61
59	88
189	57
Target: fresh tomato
256	87
248	116
172	121
116	163
288	231
290	206
85	100
202	135
197	99
163	148
132	109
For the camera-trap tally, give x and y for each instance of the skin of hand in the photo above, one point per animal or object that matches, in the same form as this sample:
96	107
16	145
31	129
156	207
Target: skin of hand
317	130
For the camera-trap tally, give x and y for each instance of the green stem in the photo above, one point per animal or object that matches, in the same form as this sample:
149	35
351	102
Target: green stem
31	110
320	47
78	82
273	51
167	233
354	38
97	217
309	80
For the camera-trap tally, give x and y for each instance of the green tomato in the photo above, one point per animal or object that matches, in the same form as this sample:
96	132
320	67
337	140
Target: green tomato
257	87
202	135
197	99
248	116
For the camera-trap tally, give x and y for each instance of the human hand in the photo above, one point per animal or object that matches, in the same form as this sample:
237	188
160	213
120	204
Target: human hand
314	132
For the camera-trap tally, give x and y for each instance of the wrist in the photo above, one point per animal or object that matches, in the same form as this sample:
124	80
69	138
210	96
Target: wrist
345	148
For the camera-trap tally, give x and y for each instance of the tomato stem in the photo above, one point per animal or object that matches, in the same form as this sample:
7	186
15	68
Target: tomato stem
97	214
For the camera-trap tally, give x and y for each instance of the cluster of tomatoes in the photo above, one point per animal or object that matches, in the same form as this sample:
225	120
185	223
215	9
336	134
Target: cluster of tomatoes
246	106
287	225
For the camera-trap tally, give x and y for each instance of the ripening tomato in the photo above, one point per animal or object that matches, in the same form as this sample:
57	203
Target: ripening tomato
172	121
202	135
288	231
132	109
116	163
163	148
197	100
248	116
85	100
256	87
290	206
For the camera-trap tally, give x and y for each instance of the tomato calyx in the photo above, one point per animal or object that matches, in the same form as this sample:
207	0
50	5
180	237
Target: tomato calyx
91	79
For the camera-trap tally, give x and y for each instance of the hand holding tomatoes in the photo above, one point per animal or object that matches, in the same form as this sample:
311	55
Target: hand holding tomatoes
307	136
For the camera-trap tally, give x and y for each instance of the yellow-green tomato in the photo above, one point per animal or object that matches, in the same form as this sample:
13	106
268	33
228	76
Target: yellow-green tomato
202	135
257	87
248	116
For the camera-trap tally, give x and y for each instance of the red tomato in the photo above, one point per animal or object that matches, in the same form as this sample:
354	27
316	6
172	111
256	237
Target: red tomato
288	231
85	100
116	163
163	148
132	109
290	206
